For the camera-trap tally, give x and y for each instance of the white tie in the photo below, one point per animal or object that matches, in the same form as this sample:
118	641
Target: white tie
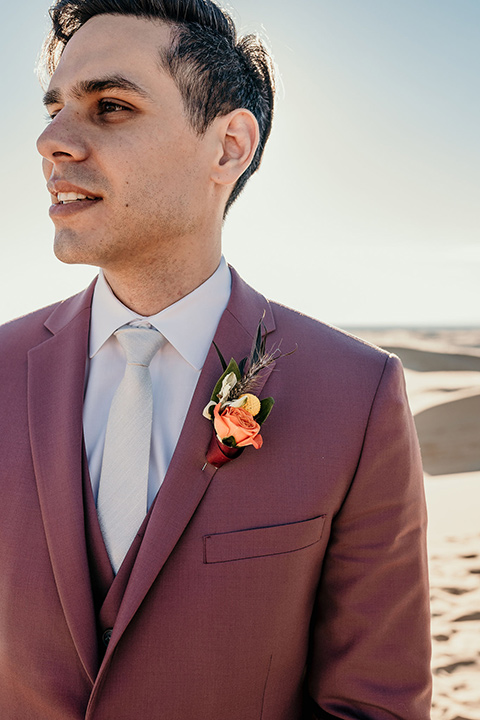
122	494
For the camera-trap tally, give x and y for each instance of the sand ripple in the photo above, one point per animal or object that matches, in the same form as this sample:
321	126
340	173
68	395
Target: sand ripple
455	594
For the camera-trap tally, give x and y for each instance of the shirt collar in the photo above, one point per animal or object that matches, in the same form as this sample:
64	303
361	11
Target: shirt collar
189	324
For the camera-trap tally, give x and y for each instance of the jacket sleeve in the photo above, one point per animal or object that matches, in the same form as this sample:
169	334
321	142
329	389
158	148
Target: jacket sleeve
370	657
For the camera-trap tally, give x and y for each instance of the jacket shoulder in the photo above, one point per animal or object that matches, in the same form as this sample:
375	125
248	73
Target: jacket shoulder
292	329
27	330
323	343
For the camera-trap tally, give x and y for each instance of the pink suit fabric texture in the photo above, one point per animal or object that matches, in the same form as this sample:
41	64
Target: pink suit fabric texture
289	584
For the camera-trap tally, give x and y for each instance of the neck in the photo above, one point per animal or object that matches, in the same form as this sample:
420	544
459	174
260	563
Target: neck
149	289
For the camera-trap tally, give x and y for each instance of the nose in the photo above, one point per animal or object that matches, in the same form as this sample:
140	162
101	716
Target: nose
63	140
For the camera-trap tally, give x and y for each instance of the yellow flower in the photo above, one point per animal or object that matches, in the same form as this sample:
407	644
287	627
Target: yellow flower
250	403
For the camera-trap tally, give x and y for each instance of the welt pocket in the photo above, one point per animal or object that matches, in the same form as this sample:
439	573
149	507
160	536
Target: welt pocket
263	541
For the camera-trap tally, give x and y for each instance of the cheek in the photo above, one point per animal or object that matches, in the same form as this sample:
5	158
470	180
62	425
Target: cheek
155	179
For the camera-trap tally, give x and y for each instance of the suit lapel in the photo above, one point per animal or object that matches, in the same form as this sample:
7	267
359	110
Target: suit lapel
187	478
56	373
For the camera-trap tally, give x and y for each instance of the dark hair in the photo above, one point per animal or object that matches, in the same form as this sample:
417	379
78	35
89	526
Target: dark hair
214	71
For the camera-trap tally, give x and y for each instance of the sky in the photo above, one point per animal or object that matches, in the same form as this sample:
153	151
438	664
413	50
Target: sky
366	209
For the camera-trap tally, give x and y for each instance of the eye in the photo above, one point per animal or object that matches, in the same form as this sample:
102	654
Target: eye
107	107
51	116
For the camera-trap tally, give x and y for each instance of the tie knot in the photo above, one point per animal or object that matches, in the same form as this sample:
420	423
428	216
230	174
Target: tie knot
140	344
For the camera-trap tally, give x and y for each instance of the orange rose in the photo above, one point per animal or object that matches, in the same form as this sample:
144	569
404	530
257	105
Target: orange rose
239	424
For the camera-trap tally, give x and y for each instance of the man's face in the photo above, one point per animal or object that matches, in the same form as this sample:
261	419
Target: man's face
119	137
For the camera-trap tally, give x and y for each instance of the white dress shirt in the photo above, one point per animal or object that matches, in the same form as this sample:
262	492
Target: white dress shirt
189	326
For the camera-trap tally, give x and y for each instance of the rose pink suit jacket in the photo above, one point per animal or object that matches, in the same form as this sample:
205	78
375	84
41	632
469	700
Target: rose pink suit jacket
288	584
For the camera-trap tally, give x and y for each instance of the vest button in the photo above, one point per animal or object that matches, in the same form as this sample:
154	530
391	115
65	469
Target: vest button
106	636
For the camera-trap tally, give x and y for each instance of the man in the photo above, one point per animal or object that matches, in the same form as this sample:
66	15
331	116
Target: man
286	582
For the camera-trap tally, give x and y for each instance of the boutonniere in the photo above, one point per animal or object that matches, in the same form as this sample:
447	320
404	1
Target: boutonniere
234	408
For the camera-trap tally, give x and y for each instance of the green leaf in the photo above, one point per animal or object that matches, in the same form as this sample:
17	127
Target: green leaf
229	441
232	367
210	412
257	344
266	406
222	359
241	366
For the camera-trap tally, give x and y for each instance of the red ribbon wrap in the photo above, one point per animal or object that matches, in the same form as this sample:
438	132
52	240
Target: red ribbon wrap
218	454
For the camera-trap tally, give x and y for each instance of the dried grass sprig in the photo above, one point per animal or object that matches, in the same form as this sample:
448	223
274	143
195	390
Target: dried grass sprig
252	371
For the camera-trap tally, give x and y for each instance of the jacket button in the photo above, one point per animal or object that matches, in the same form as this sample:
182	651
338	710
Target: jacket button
106	636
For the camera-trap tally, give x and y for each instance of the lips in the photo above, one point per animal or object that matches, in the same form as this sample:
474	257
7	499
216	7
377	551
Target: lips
65	192
66	210
68	199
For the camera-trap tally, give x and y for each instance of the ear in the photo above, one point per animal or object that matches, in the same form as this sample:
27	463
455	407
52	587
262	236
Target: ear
237	137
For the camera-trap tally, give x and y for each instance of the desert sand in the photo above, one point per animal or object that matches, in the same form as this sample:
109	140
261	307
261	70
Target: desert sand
442	370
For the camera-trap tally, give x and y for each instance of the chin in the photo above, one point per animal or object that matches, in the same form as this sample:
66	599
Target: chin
68	248
73	255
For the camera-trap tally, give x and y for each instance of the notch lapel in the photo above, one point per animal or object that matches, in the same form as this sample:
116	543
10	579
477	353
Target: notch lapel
186	481
56	375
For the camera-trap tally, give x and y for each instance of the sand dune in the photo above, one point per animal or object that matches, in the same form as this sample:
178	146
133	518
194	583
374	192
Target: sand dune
435	361
443	384
426	390
450	435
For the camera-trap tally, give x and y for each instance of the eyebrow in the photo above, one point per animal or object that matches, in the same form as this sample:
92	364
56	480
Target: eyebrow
97	85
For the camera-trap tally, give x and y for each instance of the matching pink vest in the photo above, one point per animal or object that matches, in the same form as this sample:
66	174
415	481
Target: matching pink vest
107	589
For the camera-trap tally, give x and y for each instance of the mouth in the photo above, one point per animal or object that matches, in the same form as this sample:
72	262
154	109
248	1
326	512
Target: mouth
67	205
66	198
63	192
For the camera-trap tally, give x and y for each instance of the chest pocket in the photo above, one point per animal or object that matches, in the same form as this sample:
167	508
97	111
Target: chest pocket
263	541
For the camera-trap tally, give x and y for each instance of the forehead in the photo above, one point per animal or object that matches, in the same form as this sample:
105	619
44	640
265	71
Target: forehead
111	45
